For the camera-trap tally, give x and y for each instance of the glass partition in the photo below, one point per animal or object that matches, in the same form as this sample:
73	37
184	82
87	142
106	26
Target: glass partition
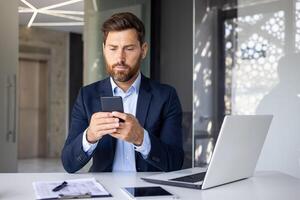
246	61
265	77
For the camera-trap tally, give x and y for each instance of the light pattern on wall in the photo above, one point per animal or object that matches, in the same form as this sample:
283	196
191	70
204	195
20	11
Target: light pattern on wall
230	46
203	85
251	60
261	56
254	74
275	26
255	48
251	19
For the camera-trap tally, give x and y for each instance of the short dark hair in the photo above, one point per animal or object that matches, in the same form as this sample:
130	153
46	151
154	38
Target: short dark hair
124	21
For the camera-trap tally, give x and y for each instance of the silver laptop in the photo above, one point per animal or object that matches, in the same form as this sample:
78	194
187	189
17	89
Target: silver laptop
234	158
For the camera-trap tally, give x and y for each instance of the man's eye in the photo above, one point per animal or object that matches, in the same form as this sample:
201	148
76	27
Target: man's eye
112	49
130	48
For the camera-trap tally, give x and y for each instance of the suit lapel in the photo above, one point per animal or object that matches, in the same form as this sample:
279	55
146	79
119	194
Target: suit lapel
104	88
144	100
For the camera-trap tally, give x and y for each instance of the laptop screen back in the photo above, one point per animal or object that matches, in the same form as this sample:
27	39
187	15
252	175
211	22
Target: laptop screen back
237	149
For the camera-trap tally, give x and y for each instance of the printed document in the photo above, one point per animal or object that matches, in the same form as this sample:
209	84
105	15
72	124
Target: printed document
87	187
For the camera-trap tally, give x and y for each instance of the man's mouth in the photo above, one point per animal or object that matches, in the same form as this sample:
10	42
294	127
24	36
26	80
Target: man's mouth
120	67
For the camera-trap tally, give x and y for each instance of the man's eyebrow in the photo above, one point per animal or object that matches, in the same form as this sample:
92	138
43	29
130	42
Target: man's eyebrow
130	45
111	45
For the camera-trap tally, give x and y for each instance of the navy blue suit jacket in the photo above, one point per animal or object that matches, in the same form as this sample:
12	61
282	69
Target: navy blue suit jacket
158	111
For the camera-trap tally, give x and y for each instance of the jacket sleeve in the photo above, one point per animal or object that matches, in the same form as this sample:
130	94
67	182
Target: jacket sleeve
166	151
73	157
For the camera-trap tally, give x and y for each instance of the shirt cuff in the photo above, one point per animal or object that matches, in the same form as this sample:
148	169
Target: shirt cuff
145	148
88	147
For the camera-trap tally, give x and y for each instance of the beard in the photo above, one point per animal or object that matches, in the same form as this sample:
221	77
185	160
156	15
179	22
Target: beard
124	75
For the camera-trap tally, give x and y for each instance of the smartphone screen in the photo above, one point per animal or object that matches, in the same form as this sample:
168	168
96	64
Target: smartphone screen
147	192
110	104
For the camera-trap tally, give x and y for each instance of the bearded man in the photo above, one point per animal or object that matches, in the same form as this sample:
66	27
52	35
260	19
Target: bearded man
147	136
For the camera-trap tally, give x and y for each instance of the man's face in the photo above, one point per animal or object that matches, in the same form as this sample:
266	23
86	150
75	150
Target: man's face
123	54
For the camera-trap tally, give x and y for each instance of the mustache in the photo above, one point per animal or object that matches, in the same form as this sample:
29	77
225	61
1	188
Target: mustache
120	64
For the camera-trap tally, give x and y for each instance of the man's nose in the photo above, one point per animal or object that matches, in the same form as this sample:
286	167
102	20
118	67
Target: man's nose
121	56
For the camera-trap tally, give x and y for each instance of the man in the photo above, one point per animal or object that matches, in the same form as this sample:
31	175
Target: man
149	138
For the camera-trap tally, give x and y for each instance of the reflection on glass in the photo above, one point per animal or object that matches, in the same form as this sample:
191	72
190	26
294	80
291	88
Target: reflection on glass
281	149
251	63
204	42
256	36
262	75
203	151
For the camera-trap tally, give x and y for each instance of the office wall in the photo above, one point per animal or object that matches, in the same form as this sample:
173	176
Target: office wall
76	68
53	46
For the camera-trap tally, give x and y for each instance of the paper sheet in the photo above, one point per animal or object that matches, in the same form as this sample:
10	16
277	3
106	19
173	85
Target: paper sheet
43	189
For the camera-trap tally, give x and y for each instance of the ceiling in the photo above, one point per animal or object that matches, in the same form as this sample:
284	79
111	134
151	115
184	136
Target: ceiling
61	15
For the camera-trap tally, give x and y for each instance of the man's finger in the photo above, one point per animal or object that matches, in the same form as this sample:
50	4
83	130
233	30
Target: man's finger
121	125
120	115
109	120
107	126
99	115
105	132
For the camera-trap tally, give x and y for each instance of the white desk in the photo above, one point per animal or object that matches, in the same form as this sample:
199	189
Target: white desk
264	186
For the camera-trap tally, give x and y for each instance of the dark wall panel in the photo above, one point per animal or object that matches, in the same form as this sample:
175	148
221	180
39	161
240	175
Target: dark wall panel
76	67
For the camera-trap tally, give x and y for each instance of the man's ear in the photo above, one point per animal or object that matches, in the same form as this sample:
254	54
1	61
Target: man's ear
103	45
144	49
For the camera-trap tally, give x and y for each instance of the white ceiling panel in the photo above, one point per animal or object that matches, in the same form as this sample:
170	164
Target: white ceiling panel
62	15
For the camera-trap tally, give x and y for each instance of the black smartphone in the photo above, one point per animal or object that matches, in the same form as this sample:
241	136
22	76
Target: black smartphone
110	104
152	192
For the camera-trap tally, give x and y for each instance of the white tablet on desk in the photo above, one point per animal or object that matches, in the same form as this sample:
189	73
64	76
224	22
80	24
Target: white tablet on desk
154	192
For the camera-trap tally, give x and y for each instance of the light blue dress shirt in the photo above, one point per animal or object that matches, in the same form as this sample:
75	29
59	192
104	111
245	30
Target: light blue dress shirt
125	152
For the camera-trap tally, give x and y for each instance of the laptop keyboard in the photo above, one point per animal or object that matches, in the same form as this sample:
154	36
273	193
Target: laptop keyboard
191	178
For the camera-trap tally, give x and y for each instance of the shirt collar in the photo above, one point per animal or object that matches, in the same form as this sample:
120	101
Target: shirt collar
135	85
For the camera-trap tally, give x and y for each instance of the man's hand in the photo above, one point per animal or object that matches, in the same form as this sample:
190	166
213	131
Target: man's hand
101	123
130	130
